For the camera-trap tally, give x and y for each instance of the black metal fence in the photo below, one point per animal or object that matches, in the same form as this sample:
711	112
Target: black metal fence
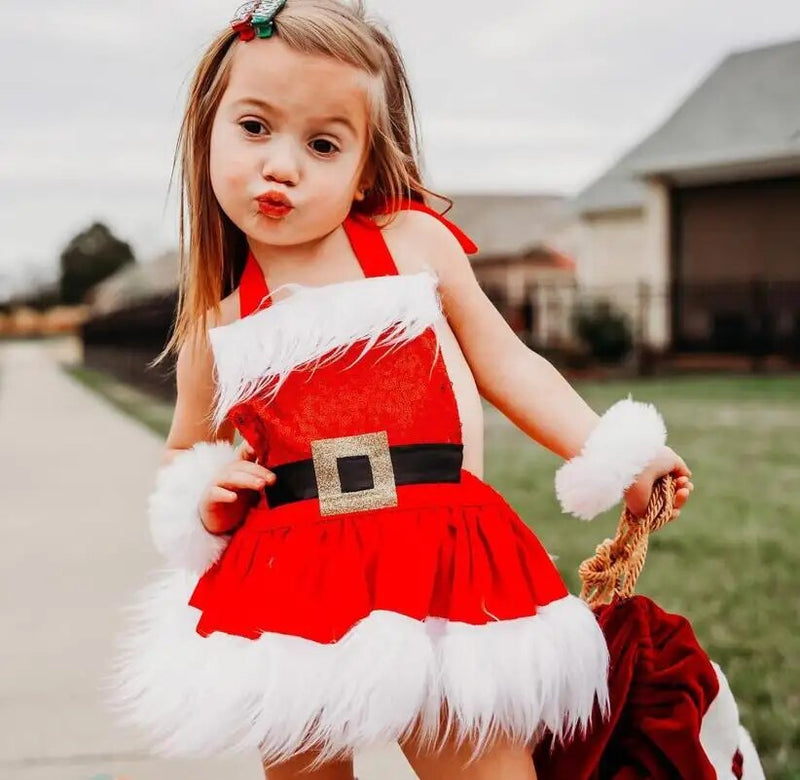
722	325
755	317
748	322
123	343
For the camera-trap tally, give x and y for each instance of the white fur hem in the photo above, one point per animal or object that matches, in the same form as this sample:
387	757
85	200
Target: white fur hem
315	322
721	734
173	506
625	441
751	763
200	696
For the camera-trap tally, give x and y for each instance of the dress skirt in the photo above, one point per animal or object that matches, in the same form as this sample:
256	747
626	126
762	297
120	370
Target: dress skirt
443	614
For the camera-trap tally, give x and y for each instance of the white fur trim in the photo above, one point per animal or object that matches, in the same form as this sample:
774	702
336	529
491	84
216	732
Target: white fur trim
721	735
261	349
625	441
751	763
200	696
173	506
519	676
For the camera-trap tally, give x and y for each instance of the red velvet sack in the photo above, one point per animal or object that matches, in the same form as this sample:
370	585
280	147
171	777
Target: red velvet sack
673	716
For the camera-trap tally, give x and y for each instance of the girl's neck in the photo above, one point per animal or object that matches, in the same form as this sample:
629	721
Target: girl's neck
297	255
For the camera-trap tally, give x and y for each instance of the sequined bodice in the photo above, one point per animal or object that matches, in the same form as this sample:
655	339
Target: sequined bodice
338	360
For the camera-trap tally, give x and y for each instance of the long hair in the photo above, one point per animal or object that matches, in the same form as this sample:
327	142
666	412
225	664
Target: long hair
212	250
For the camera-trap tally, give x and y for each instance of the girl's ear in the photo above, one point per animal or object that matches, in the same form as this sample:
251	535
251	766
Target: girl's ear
367	180
364	185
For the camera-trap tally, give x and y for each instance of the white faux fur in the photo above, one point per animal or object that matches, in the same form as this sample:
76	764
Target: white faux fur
173	506
260	350
751	763
625	441
721	734
200	696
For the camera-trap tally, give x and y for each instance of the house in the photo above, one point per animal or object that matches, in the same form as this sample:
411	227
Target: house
134	283
705	213
532	283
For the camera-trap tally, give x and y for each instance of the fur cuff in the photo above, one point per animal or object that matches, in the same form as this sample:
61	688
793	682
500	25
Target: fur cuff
173	506
626	440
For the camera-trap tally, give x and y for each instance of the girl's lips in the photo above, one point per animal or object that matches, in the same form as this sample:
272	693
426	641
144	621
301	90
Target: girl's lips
273	209
274	203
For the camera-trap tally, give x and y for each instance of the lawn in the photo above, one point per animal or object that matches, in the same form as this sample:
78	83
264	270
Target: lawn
153	413
730	563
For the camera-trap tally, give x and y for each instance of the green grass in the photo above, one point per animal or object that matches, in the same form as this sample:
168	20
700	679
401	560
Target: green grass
730	563
153	413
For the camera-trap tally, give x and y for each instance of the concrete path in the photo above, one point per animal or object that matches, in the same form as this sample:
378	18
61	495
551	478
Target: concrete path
74	476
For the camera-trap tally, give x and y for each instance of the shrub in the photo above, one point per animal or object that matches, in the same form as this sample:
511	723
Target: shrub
604	331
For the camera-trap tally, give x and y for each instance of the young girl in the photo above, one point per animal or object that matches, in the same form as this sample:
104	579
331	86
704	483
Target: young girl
345	577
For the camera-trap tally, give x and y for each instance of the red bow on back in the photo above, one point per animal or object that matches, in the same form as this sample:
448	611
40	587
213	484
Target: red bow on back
400	204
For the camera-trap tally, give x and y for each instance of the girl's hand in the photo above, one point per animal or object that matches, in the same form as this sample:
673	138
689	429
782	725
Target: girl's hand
637	495
228	497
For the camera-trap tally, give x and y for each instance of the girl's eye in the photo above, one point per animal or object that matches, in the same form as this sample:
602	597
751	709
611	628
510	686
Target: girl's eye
332	148
251	126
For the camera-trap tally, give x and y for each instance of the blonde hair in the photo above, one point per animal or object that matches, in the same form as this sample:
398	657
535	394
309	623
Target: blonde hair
212	263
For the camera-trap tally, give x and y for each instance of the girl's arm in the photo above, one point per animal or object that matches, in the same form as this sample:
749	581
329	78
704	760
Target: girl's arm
608	454
522	384
199	493
191	419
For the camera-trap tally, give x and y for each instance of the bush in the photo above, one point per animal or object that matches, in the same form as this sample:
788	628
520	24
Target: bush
605	332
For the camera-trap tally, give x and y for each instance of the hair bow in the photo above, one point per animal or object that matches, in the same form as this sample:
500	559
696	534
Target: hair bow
256	19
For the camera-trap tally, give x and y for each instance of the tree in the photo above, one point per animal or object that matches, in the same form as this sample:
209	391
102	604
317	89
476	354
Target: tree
90	257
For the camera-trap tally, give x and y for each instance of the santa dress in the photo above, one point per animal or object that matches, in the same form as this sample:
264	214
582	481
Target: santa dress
377	586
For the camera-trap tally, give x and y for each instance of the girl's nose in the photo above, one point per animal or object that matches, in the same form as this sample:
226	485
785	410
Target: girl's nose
280	162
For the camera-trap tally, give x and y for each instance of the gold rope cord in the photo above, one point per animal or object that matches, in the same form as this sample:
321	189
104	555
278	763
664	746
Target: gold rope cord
618	562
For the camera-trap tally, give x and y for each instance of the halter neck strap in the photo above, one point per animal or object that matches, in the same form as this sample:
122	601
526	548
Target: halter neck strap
400	204
369	247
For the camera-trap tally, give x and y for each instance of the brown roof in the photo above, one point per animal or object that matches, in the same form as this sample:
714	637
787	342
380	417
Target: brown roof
136	282
507	224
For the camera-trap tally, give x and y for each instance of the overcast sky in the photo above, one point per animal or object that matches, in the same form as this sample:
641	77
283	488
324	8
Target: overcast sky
523	95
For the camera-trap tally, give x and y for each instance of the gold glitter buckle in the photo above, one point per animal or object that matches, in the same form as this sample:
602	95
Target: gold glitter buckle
332	501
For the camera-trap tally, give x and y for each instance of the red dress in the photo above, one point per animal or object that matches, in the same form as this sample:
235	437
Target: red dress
340	629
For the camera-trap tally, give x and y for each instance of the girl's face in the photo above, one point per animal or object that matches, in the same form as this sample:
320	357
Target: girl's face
290	123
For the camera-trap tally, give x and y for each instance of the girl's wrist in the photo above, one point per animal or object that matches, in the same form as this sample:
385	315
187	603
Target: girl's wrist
178	530
221	530
623	449
214	531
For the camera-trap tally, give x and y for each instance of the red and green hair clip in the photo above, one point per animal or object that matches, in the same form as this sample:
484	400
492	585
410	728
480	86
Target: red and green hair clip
256	19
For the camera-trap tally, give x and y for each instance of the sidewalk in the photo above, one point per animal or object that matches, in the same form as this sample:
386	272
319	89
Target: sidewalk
74	476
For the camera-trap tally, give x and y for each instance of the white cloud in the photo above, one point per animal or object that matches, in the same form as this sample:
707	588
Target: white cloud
480	130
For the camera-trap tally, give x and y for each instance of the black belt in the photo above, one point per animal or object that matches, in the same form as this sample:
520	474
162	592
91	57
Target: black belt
411	464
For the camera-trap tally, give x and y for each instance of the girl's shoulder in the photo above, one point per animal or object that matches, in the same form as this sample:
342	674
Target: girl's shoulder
407	236
227	312
415	237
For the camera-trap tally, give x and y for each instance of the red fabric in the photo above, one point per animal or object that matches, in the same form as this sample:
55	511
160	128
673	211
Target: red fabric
370	246
661	684
252	288
417	403
450	550
738	765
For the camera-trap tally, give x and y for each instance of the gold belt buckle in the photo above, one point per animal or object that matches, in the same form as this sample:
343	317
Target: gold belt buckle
325	452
